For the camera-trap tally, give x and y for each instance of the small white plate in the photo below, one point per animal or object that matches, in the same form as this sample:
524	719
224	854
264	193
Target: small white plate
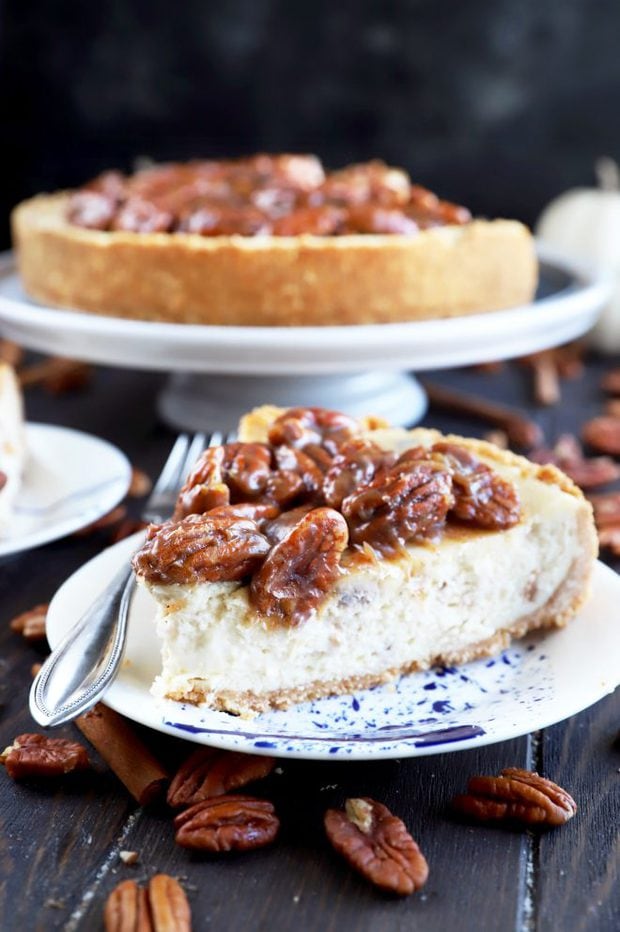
537	682
70	479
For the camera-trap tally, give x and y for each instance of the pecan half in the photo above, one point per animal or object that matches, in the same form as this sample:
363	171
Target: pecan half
202	547
31	624
300	569
603	433
611	382
162	907
140	484
205	487
378	845
355	465
227	823
606	509
207	773
516	795
408	502
37	756
482	498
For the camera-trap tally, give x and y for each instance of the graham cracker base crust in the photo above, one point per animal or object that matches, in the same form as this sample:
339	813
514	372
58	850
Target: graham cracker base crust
555	613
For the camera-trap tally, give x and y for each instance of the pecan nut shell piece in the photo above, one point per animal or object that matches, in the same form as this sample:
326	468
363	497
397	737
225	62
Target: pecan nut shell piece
227	823
201	547
300	570
517	796
34	756
207	773
378	845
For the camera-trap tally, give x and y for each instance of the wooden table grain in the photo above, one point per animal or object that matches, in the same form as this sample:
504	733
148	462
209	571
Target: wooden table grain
59	847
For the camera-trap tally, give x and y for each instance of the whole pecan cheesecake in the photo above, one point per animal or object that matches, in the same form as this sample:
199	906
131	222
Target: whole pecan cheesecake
268	240
320	555
12	441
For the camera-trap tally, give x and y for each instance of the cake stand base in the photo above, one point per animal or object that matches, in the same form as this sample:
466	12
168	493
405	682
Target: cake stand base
215	402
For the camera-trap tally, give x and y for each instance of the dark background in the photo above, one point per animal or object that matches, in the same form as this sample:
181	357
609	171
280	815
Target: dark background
499	104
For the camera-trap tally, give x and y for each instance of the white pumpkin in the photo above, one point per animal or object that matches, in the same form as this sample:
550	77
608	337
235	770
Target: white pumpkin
584	225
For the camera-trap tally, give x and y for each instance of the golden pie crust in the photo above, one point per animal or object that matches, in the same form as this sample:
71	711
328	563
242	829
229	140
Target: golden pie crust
306	280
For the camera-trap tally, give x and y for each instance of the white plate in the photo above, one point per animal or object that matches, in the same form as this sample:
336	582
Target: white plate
70	479
567	305
537	682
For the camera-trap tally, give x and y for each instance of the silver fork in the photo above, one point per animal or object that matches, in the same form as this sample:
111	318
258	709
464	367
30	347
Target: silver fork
84	663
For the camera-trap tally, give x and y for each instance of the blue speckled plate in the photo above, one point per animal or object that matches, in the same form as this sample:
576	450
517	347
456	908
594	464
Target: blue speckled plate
537	682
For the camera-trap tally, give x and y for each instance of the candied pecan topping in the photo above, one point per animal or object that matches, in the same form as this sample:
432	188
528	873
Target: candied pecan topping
301	568
201	547
208	772
482	498
37	756
160	907
140	216
282	195
277	529
369	218
298	427
92	210
355	465
407	502
516	795
227	823
296	461
378	845
205	487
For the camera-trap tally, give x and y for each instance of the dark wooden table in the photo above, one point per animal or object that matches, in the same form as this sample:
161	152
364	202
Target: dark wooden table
59	847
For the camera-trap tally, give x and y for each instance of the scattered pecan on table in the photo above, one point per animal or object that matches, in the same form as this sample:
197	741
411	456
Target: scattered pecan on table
610	382
34	756
31	624
603	433
516	796
227	823
378	845
140	485
160	907
209	772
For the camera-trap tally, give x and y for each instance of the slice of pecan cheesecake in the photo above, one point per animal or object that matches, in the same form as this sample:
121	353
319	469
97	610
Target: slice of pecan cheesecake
12	441
320	555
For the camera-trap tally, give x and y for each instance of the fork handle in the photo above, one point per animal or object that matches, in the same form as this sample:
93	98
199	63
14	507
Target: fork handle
83	664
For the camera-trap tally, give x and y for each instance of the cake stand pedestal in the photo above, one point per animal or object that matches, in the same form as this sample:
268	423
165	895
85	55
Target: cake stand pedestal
190	401
220	372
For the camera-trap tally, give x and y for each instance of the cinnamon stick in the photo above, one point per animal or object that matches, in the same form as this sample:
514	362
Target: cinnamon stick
132	762
519	429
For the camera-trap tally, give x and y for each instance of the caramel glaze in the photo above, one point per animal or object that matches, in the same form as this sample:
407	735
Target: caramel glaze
275	195
288	534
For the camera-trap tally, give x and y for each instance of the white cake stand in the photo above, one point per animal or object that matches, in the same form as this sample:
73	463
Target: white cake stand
220	372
